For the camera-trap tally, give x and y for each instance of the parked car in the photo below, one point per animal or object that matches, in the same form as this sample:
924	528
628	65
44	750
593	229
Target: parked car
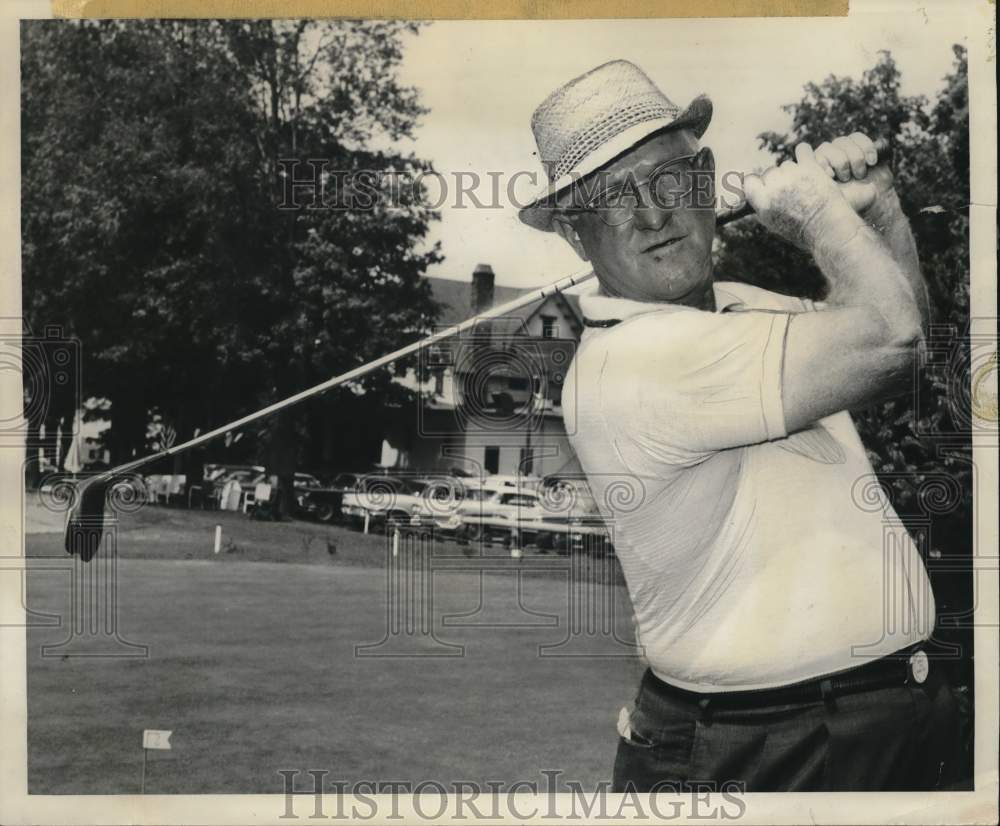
506	480
550	518
570	515
324	502
439	502
248	477
243	474
306	481
461	506
303	482
214	473
381	498
495	512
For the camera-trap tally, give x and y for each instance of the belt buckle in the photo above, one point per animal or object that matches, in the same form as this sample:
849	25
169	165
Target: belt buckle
919	666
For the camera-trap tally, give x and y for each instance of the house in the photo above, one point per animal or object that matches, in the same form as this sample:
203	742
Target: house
491	399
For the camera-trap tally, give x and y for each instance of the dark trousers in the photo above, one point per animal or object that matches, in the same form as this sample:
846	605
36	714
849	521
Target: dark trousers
902	737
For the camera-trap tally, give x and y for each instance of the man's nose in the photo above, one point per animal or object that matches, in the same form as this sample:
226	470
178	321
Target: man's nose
650	216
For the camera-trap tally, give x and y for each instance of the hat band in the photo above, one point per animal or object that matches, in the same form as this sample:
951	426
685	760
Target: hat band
584	143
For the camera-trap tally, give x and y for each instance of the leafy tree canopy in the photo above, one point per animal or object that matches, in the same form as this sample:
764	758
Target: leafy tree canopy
151	221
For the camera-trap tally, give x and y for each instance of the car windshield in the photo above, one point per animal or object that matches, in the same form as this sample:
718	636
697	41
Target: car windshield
371	484
519	499
445	492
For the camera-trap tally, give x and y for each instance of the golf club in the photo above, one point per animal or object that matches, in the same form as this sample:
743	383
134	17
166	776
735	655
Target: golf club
85	518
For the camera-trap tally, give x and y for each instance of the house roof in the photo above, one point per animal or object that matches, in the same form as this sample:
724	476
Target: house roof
454	297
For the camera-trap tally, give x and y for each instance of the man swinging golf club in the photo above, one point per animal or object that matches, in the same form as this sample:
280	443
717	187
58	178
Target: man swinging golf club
782	616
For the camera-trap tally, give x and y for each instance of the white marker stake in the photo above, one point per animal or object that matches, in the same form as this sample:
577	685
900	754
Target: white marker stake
395	542
152	739
218	538
367	518
515	550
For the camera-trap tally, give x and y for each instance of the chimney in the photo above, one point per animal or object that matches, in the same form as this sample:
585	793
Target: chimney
482	288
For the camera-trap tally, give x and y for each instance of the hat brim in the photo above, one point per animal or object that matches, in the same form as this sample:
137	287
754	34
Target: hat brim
539	213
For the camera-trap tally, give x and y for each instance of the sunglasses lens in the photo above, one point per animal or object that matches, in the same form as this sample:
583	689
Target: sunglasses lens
670	187
616	217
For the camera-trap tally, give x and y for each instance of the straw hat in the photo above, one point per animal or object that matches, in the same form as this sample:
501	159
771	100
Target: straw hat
596	117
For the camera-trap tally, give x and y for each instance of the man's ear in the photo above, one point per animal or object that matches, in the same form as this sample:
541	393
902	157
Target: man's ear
706	159
704	194
562	225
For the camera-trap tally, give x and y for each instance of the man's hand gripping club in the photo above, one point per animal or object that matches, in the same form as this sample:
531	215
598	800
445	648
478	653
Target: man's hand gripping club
799	200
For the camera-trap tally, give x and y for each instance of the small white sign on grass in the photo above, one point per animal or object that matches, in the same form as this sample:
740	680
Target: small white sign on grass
152	739
155	739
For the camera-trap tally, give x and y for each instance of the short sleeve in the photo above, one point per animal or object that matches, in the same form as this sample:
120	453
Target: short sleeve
679	385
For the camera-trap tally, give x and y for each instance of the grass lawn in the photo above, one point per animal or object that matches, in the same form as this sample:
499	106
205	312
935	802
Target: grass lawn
252	664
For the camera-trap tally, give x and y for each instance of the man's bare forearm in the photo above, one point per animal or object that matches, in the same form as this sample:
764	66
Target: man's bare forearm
861	269
894	227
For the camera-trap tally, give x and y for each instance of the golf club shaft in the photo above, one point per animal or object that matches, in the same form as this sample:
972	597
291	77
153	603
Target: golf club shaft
355	373
724	215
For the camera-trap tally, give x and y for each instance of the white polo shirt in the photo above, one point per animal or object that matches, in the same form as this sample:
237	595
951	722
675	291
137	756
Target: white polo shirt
754	558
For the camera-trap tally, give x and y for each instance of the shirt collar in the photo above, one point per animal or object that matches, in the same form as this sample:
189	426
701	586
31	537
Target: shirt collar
603	310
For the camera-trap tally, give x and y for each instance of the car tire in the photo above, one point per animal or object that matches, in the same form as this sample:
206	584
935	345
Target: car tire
396	519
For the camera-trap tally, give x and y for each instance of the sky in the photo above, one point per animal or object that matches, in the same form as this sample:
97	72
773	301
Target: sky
482	80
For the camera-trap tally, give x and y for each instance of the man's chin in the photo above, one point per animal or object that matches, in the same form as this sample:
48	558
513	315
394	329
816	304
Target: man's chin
681	288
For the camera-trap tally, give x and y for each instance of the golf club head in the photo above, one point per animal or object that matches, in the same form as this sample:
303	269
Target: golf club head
85	520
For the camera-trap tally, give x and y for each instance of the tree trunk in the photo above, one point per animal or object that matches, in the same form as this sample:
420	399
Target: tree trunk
282	461
129	419
50	446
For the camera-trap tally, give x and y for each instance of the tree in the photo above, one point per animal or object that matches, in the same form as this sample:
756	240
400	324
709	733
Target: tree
152	228
349	279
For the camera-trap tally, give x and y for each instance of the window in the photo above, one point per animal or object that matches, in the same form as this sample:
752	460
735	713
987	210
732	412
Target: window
519	499
439	355
380	485
491	460
549	327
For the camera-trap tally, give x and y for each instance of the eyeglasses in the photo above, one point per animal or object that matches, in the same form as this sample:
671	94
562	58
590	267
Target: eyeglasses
670	186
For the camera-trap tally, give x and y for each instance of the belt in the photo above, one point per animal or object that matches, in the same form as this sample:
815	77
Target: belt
909	666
